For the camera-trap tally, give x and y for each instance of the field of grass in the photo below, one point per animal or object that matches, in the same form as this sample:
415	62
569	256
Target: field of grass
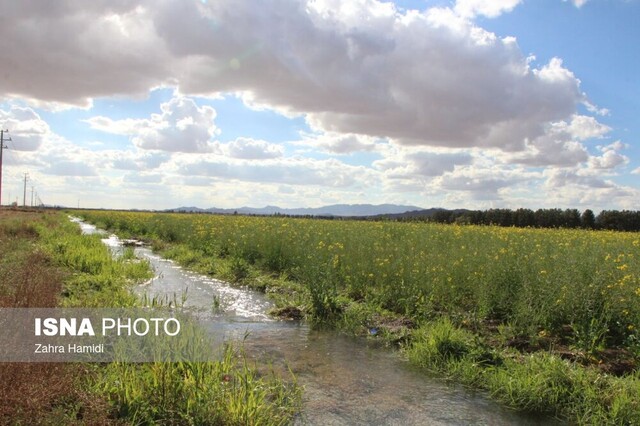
46	262
539	317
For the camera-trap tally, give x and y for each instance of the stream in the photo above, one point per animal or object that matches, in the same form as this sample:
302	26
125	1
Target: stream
346	380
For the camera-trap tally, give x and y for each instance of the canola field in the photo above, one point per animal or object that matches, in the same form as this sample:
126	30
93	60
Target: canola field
581	285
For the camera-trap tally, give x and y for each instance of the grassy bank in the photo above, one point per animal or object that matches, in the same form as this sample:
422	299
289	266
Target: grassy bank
545	320
40	393
45	262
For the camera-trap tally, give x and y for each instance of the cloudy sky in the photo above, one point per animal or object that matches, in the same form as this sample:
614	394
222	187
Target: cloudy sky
302	103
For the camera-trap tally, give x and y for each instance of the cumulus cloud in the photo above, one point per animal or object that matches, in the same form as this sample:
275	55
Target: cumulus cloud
295	171
56	158
561	144
251	149
139	160
71	51
482	184
428	91
182	126
143	178
610	158
27	129
582	127
430	164
488	8
428	78
557	178
552	150
69	168
339	143
351	66
418	163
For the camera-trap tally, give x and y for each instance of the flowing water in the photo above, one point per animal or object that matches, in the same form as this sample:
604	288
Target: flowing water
346	380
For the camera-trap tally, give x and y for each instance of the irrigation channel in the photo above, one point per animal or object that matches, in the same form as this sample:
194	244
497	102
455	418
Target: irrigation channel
346	380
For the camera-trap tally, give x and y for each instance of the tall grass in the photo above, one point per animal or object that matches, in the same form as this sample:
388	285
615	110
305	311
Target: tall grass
540	382
38	393
474	292
532	279
87	275
228	392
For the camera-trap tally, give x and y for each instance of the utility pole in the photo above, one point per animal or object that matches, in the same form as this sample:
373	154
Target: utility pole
24	195
31	195
2	147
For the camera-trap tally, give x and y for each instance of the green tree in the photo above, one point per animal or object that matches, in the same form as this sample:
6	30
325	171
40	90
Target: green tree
588	219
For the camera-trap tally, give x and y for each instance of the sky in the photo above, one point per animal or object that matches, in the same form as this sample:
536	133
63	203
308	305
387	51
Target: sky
156	104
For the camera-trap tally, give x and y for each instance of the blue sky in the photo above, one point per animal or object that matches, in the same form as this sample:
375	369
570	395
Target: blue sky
467	103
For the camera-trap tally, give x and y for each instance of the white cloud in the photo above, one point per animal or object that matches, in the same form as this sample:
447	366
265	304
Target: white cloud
339	143
407	163
251	149
352	66
552	150
581	188
557	178
583	127
610	158
26	129
182	126
294	171
450	107
578	3
488	8
481	183
143	178
69	52
138	160
594	109
561	144
69	168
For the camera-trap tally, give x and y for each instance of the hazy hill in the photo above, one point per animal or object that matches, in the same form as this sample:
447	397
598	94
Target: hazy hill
332	210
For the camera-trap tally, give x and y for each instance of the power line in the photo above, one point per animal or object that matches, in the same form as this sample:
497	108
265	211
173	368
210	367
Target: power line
2	148
24	196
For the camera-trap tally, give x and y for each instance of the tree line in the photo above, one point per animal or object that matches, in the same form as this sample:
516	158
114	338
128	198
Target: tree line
625	220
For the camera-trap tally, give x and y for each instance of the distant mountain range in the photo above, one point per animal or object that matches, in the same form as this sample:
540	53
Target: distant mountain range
345	210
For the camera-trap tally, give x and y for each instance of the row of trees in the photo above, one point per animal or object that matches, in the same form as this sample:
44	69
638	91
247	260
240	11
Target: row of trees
624	220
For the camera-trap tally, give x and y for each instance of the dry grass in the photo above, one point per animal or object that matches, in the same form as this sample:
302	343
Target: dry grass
37	393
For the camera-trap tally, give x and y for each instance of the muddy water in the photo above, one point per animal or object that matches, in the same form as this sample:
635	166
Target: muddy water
346	380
